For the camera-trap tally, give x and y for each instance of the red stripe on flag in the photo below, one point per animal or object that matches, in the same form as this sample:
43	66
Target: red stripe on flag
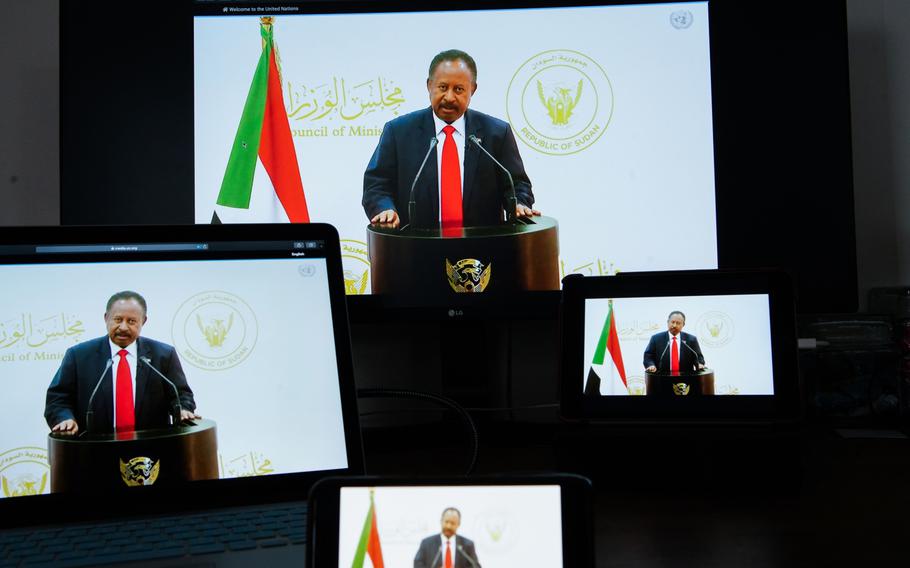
276	150
613	348
373	547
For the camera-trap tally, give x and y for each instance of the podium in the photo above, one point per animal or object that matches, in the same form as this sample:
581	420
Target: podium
166	456
493	259
664	384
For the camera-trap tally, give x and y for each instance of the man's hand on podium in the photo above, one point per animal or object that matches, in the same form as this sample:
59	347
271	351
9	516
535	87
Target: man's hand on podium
68	427
188	415
700	367
386	219
651	369
523	211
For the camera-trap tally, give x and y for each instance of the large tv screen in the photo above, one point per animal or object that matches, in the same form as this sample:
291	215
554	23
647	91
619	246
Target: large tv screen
654	135
610	108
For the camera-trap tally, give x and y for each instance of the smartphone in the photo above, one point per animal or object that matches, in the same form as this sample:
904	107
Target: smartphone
545	521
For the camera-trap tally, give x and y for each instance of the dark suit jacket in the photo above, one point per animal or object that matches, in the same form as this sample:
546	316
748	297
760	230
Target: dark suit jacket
430	546
402	146
71	387
655	354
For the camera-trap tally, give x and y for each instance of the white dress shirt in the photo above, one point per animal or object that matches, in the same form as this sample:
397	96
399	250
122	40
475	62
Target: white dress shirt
459	137
132	361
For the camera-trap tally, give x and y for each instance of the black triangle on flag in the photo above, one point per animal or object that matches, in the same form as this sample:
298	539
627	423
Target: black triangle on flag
592	385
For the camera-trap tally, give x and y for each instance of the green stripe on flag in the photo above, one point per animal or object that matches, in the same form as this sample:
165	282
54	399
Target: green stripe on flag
602	343
237	184
364	539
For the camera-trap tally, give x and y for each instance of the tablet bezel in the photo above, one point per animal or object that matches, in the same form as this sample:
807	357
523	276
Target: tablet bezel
784	406
576	496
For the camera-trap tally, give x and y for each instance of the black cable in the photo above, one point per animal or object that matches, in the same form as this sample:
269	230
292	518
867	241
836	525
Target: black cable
442	400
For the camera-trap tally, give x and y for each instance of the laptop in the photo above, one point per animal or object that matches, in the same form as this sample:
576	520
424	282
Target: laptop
243	395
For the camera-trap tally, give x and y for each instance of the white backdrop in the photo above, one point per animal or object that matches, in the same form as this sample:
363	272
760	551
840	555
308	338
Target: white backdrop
734	333
271	385
644	73
510	525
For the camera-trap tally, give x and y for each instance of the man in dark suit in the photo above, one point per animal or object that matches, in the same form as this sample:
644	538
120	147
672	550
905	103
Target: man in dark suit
447	550
121	403
674	350
459	186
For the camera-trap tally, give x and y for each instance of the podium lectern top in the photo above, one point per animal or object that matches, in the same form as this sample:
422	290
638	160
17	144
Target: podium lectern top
702	372
538	224
172	432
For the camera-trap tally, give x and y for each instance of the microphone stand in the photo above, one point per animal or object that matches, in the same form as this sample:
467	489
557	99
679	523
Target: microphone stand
697	362
176	408
90	413
511	199
412	202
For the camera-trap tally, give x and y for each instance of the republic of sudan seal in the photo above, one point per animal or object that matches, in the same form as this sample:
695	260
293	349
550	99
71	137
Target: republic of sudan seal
714	329
559	102
214	330
24	471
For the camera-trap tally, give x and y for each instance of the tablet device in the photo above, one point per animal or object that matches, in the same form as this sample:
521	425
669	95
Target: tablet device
693	346
544	521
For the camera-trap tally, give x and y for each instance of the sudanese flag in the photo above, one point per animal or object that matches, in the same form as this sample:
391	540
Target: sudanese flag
263	144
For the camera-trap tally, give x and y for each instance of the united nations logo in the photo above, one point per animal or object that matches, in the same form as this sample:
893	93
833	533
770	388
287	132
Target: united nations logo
24	471
714	329
681	20
559	102
356	263
214	330
680	389
139	471
468	275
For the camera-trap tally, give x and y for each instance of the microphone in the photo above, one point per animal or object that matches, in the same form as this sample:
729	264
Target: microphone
176	408
412	202
473	562
89	413
661	358
697	361
435	558
511	199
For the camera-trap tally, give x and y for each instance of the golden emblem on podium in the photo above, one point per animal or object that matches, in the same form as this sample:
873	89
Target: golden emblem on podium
139	471
468	275
680	389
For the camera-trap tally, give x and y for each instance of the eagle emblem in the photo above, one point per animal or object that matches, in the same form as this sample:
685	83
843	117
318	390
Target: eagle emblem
139	471
468	275
561	102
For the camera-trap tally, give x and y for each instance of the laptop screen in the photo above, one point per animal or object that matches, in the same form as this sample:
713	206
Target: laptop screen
241	329
499	525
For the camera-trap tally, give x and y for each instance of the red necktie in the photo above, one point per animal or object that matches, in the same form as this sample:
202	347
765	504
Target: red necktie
126	412
674	358
448	542
451	182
